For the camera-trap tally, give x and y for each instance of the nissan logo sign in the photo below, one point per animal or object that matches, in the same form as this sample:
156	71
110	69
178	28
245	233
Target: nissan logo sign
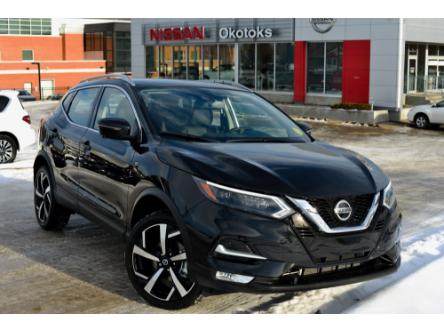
258	32
343	210
322	25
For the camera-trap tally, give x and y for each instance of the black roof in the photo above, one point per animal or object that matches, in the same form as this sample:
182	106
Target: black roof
162	83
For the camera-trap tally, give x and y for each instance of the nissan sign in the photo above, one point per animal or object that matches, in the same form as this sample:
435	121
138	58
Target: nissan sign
252	33
322	25
177	33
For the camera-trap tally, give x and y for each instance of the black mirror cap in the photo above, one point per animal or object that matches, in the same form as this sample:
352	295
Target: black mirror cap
115	128
305	127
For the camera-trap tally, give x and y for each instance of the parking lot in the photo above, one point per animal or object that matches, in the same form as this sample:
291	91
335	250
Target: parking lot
81	270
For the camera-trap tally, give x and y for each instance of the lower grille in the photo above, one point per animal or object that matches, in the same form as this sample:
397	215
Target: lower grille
360	205
327	269
379	225
305	232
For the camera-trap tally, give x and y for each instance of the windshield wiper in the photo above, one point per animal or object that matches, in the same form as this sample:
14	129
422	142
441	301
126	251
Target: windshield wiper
184	136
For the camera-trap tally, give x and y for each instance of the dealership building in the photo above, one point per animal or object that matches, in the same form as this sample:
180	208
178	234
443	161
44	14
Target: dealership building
313	61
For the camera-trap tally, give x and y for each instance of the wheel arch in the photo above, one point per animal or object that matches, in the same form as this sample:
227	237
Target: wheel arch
13	137
154	199
423	113
148	201
43	160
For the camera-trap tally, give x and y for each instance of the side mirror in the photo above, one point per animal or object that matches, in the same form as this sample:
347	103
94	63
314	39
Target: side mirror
305	127
115	128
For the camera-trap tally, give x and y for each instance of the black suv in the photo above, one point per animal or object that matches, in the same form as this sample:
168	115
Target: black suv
213	187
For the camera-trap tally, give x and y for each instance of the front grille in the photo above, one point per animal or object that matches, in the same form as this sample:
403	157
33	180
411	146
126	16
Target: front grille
360	205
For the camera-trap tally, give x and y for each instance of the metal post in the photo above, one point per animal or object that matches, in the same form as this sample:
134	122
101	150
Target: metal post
40	81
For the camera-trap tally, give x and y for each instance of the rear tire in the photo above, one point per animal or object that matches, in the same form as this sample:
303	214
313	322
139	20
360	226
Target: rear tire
422	121
50	215
8	149
156	262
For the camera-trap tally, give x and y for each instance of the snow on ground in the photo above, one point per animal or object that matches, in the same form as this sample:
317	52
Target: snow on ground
20	169
421	292
415	288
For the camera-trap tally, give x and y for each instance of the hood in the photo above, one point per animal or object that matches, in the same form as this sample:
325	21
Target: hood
303	170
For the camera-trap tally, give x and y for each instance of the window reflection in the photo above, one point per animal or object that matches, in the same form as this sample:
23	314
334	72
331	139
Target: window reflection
246	65
180	62
194	62
166	63
315	67
226	62
210	63
265	67
324	68
284	67
333	68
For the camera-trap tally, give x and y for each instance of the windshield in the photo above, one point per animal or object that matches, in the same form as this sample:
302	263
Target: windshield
217	115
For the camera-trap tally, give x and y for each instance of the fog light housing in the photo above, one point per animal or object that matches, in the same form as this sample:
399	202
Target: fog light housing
298	221
230	277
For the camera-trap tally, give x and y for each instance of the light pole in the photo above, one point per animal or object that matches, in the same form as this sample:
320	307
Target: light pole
40	81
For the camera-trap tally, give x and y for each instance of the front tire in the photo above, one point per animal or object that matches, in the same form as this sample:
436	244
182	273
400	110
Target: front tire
422	121
8	149
156	262
50	215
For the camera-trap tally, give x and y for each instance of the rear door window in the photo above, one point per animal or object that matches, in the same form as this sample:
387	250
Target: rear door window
3	102
82	106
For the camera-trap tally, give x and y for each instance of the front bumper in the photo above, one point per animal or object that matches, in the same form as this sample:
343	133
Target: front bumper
294	259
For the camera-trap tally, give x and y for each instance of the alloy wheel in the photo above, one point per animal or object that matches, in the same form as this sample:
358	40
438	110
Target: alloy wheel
6	151
43	200
159	261
421	122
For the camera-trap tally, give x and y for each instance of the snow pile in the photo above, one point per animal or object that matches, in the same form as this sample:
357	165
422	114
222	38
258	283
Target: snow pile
419	287
416	287
421	292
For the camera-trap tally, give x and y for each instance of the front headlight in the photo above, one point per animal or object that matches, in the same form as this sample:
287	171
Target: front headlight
257	203
389	197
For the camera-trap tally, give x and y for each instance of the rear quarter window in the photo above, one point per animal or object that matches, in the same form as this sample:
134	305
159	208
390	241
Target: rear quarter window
67	101
3	102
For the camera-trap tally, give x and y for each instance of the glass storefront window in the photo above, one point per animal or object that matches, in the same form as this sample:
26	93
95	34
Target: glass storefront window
226	62
262	66
166	62
315	67
246	64
433	50
152	62
194	62
324	68
210	63
333	68
123	51
265	67
180	62
284	67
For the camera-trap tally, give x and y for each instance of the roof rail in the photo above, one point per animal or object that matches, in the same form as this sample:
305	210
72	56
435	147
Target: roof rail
113	76
229	83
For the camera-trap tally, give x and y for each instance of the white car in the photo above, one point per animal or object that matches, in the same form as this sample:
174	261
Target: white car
15	126
425	115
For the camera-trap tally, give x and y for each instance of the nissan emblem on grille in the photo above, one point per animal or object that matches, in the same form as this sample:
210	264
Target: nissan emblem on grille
343	210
